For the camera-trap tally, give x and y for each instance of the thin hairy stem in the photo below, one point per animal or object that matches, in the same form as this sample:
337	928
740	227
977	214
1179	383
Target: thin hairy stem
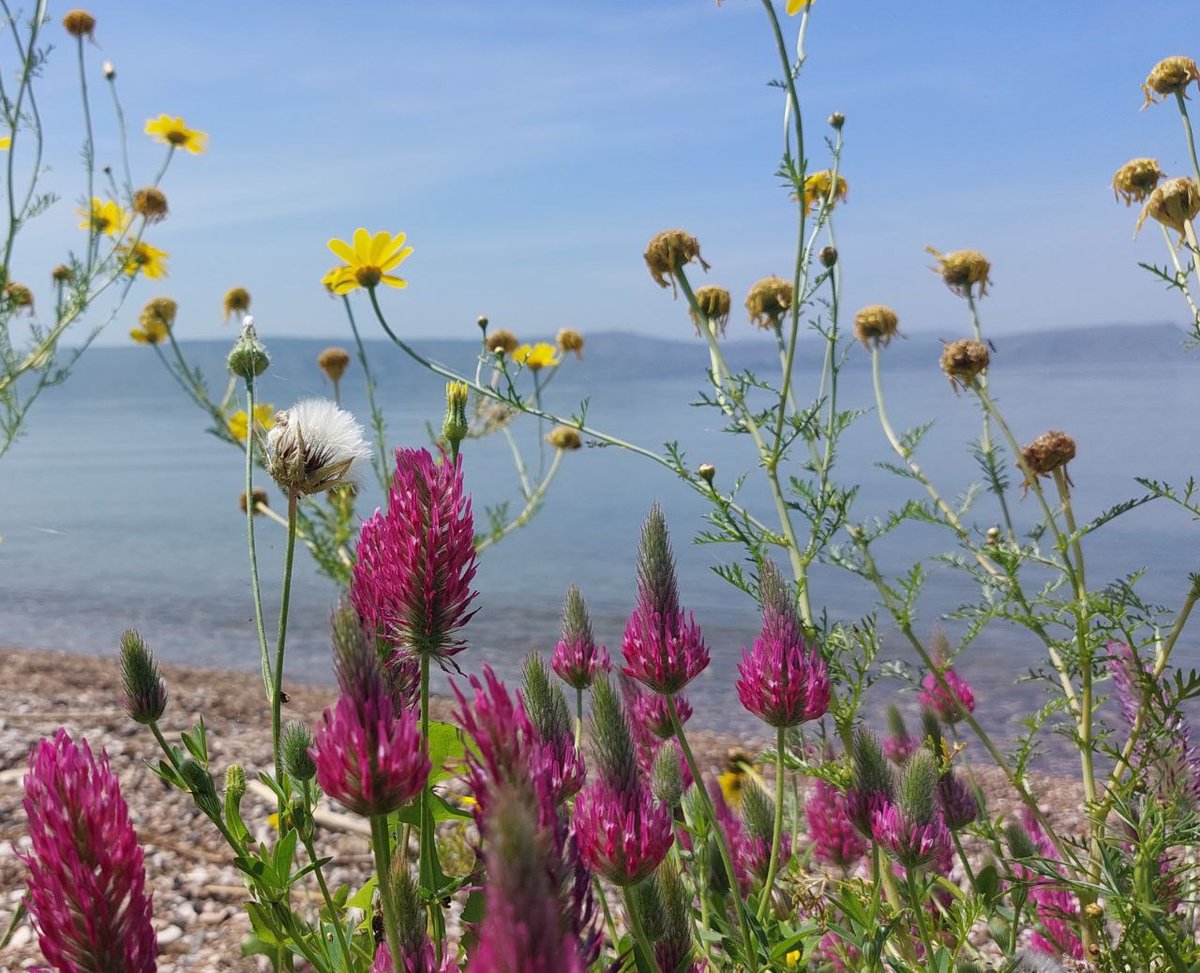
251	509
281	641
777	830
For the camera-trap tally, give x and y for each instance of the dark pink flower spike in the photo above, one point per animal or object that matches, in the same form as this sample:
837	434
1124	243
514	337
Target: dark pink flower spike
623	836
663	653
368	757
835	839
648	711
950	706
909	842
87	881
416	560
577	658
783	683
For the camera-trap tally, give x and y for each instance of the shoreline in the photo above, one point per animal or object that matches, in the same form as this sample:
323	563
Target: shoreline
197	893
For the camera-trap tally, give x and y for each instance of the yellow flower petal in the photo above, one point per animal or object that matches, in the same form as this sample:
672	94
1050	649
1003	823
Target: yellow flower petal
396	258
795	6
393	281
5	142
342	250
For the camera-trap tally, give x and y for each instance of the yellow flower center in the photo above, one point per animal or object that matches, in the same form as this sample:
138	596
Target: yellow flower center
177	137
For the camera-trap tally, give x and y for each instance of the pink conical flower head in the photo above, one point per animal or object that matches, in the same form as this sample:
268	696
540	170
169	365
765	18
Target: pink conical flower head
623	834
416	561
577	658
87	882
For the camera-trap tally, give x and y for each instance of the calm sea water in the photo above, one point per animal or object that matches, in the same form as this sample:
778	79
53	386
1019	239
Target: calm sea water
117	510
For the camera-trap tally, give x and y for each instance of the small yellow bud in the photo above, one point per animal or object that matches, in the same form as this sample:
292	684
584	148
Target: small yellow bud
1170	76
237	301
962	270
482	321
454	425
1136	180
501	342
963	360
828	256
79	23
876	325
564	437
334	362
18	297
159	310
568	339
706	472
62	274
150	203
837	120
1094	910
768	301
666	254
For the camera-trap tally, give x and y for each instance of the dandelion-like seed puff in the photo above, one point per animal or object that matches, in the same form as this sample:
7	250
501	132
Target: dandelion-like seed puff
314	446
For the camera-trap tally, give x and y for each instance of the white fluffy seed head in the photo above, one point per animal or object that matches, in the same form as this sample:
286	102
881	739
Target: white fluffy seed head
314	446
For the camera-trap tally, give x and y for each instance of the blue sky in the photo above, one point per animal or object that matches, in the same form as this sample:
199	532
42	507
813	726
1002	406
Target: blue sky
530	149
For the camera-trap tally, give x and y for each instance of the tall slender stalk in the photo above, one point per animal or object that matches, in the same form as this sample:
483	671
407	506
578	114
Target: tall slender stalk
255	587
381	847
281	640
777	831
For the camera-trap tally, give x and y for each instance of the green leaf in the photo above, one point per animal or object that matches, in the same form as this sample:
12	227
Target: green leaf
441	809
260	922
364	900
446	750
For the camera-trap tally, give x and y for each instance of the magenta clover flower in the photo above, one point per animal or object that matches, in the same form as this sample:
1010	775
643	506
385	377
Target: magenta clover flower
835	839
952	705
416	561
623	835
783	683
87	881
663	653
911	843
367	757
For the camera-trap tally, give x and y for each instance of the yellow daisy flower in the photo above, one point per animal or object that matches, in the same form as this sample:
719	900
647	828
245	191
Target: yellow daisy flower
368	260
105	217
536	357
175	133
817	189
143	258
795	6
152	331
5	142
264	417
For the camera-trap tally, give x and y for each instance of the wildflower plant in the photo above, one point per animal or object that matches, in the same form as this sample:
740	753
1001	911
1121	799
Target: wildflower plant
832	849
112	253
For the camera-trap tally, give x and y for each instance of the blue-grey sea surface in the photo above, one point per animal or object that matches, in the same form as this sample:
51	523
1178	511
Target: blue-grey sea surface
118	511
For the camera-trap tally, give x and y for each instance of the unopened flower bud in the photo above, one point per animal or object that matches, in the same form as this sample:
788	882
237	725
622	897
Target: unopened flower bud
963	360
150	203
501	342
837	120
993	536
962	270
145	691
18	297
768	301
237	301
666	254
235	784
297	741
706	472
828	256
564	437
62	274
482	321
1020	845
875	325
667	777
334	362
109	71
249	357
454	425
1136	180
79	23
1170	76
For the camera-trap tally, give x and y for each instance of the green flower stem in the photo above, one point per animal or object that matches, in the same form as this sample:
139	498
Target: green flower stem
711	815
962	857
166	165
89	154
518	463
381	847
695	482
609	924
777	832
905	454
767	457
1181	278
640	941
333	912
787	351
916	903
985	439
1187	131
281	642
427	849
255	587
162	742
377	423
881	872
1001	761
530	508
120	113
